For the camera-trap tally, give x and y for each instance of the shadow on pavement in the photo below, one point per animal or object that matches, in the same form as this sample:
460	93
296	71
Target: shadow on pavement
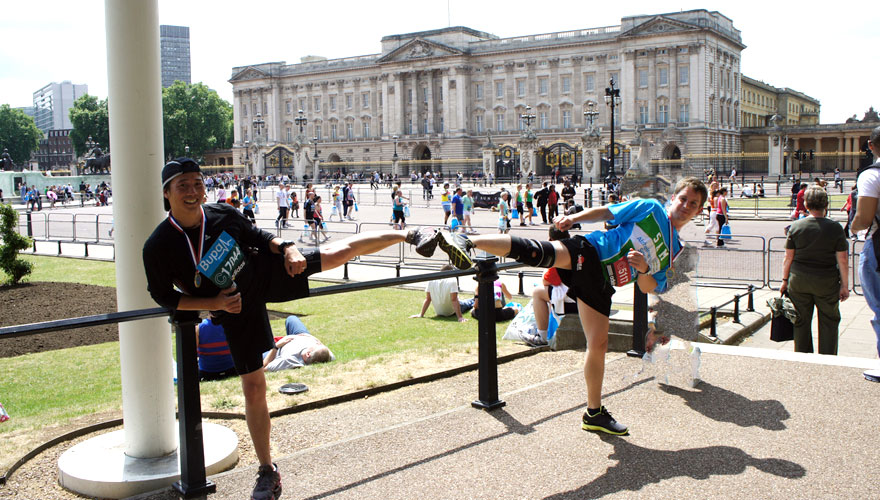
723	405
638	467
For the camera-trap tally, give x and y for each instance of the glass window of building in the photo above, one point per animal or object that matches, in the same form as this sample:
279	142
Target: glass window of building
425	95
332	103
663	76
542	119
542	86
566	118
265	108
302	104
381	99
254	107
333	132
613	76
478	90
499	122
365	100
566	84
684	75
317	104
643	113
289	135
318	132
348	100
663	113
349	130
243	109
424	126
441	125
643	78
520	88
365	129
478	123
590	82
684	112
499	89
440	94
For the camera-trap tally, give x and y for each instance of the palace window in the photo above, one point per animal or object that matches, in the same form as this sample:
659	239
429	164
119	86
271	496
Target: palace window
684	75
289	135
440	94
566	118
590	82
643	114
499	89
348	100
663	76
663	113
542	119
478	123
333	133
441	125
244	110
349	130
478	90
499	122
332	103
542	86
684	112
317	104
643	78
520	88
365	129
318	132
566	85
287	106
365	100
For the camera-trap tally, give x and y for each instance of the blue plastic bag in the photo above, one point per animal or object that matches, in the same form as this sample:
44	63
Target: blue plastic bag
355	207
406	211
514	214
725	232
453	223
552	324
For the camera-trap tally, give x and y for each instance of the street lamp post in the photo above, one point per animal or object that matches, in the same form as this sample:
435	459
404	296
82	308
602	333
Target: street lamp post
394	157
259	123
612	98
590	114
528	117
247	158
301	121
186	151
315	158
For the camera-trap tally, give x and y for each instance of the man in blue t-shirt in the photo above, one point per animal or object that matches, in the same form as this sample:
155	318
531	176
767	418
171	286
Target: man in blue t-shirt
641	248
458	206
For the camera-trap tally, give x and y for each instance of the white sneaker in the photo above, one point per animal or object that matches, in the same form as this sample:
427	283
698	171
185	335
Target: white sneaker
872	375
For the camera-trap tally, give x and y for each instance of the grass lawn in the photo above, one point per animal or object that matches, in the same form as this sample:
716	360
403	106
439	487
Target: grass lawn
370	332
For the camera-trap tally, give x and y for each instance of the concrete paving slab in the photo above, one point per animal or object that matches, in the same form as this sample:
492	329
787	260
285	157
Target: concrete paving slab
754	428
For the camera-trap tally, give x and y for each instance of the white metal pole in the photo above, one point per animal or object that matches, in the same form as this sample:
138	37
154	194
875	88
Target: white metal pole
135	102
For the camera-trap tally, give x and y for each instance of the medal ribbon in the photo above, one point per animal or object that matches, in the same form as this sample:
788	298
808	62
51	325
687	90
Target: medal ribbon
671	248
192	250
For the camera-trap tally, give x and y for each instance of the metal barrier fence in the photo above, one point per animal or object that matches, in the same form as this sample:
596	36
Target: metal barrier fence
193	480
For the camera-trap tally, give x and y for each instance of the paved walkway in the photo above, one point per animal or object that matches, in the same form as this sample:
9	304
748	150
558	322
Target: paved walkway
754	428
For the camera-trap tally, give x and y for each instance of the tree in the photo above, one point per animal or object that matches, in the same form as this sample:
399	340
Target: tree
195	116
18	133
90	117
12	244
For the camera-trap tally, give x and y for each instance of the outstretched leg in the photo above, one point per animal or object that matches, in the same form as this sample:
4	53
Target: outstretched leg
340	252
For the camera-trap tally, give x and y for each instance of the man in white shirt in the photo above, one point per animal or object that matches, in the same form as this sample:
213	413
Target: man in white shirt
281	198
868	182
296	349
443	293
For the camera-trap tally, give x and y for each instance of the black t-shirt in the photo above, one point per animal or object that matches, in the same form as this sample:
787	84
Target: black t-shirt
568	192
309	208
168	262
541	196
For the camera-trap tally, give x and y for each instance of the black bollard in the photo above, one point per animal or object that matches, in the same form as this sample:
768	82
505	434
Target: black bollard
30	227
191	452
640	322
487	273
522	290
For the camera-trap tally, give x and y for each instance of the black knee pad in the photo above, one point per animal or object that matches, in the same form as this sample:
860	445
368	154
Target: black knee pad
532	252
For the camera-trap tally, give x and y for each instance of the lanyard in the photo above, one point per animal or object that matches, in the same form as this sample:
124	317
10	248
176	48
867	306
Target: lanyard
671	271
197	281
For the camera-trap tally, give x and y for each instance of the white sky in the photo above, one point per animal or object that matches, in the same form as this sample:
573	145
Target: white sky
823	50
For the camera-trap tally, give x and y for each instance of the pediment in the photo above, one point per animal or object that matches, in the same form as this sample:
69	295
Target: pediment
248	74
659	25
419	49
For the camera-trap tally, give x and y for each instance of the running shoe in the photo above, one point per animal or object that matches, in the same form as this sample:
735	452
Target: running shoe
268	485
603	422
424	239
457	246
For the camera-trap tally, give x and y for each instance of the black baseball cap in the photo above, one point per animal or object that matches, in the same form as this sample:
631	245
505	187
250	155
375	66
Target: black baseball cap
175	167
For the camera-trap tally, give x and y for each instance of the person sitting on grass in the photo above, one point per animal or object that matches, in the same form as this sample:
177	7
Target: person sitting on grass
215	361
543	296
296	349
641	249
505	310
443	293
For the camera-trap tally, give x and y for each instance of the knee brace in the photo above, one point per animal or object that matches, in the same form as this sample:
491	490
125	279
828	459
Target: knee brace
532	252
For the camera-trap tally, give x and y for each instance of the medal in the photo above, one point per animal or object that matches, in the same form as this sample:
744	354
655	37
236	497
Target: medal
670	271
197	280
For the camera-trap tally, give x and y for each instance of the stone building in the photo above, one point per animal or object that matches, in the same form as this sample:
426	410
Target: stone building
761	101
434	97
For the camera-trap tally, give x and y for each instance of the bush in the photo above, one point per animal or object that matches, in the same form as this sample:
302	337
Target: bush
12	244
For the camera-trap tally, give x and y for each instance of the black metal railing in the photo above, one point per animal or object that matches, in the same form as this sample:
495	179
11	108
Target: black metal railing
713	311
193	481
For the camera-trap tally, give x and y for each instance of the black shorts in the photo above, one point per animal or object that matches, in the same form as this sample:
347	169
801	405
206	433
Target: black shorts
585	279
248	333
398	216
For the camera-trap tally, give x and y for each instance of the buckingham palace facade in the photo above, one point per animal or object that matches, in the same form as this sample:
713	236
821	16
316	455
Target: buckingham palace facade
444	95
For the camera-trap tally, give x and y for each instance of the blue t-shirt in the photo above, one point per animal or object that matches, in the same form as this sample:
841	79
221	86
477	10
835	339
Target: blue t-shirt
458	206
213	350
643	225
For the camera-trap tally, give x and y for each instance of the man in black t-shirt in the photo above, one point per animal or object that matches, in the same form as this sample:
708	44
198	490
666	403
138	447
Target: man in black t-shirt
209	257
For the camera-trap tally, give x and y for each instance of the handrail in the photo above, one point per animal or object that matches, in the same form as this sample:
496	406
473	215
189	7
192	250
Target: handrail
193	481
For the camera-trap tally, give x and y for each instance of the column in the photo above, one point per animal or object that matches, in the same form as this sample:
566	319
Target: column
429	92
416	106
387	107
275	111
447	98
135	97
400	88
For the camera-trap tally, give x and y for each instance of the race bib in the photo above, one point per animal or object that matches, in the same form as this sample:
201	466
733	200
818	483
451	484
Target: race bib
646	238
223	261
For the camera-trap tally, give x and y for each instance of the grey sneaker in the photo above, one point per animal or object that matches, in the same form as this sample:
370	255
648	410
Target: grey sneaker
424	239
872	375
603	422
268	485
457	246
